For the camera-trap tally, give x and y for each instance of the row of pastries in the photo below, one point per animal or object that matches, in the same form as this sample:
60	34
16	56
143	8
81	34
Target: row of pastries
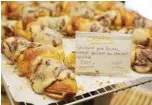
32	35
42	65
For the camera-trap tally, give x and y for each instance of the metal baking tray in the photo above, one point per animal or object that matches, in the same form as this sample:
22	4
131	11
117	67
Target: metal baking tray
92	94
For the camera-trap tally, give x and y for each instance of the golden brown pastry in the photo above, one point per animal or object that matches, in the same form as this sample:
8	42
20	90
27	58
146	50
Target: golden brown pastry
107	18
27	57
125	18
62	24
62	89
69	61
118	22
45	35
21	10
141	36
142	59
79	23
13	47
82	24
105	5
60	51
14	9
129	19
33	32
49	76
20	30
43	66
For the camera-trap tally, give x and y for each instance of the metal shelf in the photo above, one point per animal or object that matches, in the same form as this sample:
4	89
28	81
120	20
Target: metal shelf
92	94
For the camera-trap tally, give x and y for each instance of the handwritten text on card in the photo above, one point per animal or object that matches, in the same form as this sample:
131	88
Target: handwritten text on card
102	53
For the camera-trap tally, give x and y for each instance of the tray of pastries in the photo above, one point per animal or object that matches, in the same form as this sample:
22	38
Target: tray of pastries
31	41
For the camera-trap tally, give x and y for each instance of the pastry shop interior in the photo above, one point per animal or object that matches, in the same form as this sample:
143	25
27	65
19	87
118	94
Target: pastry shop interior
76	53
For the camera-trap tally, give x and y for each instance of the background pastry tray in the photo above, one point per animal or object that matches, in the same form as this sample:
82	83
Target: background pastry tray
90	87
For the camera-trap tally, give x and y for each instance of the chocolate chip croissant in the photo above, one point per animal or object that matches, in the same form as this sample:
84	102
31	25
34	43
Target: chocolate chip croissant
42	65
142	59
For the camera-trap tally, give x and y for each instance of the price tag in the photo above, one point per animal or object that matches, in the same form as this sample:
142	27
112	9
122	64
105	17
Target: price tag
102	53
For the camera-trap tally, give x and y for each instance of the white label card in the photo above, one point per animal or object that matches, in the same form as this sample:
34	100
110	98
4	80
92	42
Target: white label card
102	53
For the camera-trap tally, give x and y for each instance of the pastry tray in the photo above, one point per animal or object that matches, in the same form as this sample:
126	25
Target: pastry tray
92	94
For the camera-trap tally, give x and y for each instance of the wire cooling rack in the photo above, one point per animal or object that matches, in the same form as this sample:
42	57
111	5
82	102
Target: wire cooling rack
92	94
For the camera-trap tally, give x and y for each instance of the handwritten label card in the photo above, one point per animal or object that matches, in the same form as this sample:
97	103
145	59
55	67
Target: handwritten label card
102	53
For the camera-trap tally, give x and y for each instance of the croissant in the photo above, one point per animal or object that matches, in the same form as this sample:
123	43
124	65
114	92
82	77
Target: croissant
12	47
21	10
62	24
13	10
105	5
82	24
141	36
142	59
42	65
67	7
107	18
45	35
33	32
